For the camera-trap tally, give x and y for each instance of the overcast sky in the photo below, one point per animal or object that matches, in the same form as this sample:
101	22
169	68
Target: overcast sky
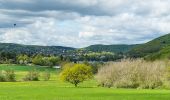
79	23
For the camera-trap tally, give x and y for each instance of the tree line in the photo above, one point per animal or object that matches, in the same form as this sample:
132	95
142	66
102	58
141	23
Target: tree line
51	60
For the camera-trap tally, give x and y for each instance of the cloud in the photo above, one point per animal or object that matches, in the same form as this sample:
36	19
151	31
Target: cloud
83	22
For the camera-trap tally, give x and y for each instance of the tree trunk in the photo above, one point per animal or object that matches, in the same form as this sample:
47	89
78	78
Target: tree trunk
75	84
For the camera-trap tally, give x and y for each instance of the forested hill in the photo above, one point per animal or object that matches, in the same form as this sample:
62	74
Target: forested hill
157	48
33	49
56	50
151	47
110	48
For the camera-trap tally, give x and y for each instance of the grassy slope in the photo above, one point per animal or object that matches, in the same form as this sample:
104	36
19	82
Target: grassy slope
57	90
164	53
151	47
109	48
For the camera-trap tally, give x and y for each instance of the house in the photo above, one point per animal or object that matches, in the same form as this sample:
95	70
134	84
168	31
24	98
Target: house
57	67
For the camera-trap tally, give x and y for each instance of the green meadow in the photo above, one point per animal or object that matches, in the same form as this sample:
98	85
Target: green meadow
54	89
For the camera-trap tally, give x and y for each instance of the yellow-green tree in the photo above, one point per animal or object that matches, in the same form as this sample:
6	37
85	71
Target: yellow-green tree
76	73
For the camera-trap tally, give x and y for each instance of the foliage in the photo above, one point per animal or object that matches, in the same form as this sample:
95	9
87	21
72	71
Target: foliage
7	76
76	73
109	48
32	75
45	61
38	60
23	59
94	65
163	54
46	75
104	56
10	76
151	47
53	60
7	57
133	74
9	53
2	76
11	49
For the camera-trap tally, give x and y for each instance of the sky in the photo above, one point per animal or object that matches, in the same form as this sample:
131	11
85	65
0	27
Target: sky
80	23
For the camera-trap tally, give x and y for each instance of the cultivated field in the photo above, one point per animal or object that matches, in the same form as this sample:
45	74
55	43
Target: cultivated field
54	89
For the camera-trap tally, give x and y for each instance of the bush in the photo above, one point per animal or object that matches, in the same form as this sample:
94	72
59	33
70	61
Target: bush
7	76
46	75
32	75
10	76
2	76
76	73
94	65
133	74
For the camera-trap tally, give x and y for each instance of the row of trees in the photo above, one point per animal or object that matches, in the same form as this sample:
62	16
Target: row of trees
39	60
95	56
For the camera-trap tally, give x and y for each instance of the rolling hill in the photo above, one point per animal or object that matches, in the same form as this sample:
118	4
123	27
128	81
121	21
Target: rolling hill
164	53
156	49
109	48
33	49
58	50
151	47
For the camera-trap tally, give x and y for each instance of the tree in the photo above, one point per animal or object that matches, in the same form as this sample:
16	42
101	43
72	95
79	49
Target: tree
38	60
54	60
76	73
23	59
45	61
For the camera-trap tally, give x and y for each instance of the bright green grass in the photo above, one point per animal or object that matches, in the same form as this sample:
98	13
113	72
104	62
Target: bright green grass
57	90
25	68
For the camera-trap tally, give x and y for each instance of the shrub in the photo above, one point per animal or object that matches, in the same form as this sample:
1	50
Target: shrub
2	76
76	74
132	74
32	75
46	75
94	65
10	76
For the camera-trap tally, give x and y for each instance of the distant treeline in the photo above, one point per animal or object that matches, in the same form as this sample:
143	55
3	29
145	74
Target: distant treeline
52	60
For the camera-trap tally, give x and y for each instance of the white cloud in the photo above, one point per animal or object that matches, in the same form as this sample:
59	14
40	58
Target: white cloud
83	22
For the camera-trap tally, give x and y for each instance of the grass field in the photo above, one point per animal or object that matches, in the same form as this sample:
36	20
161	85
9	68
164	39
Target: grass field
57	90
